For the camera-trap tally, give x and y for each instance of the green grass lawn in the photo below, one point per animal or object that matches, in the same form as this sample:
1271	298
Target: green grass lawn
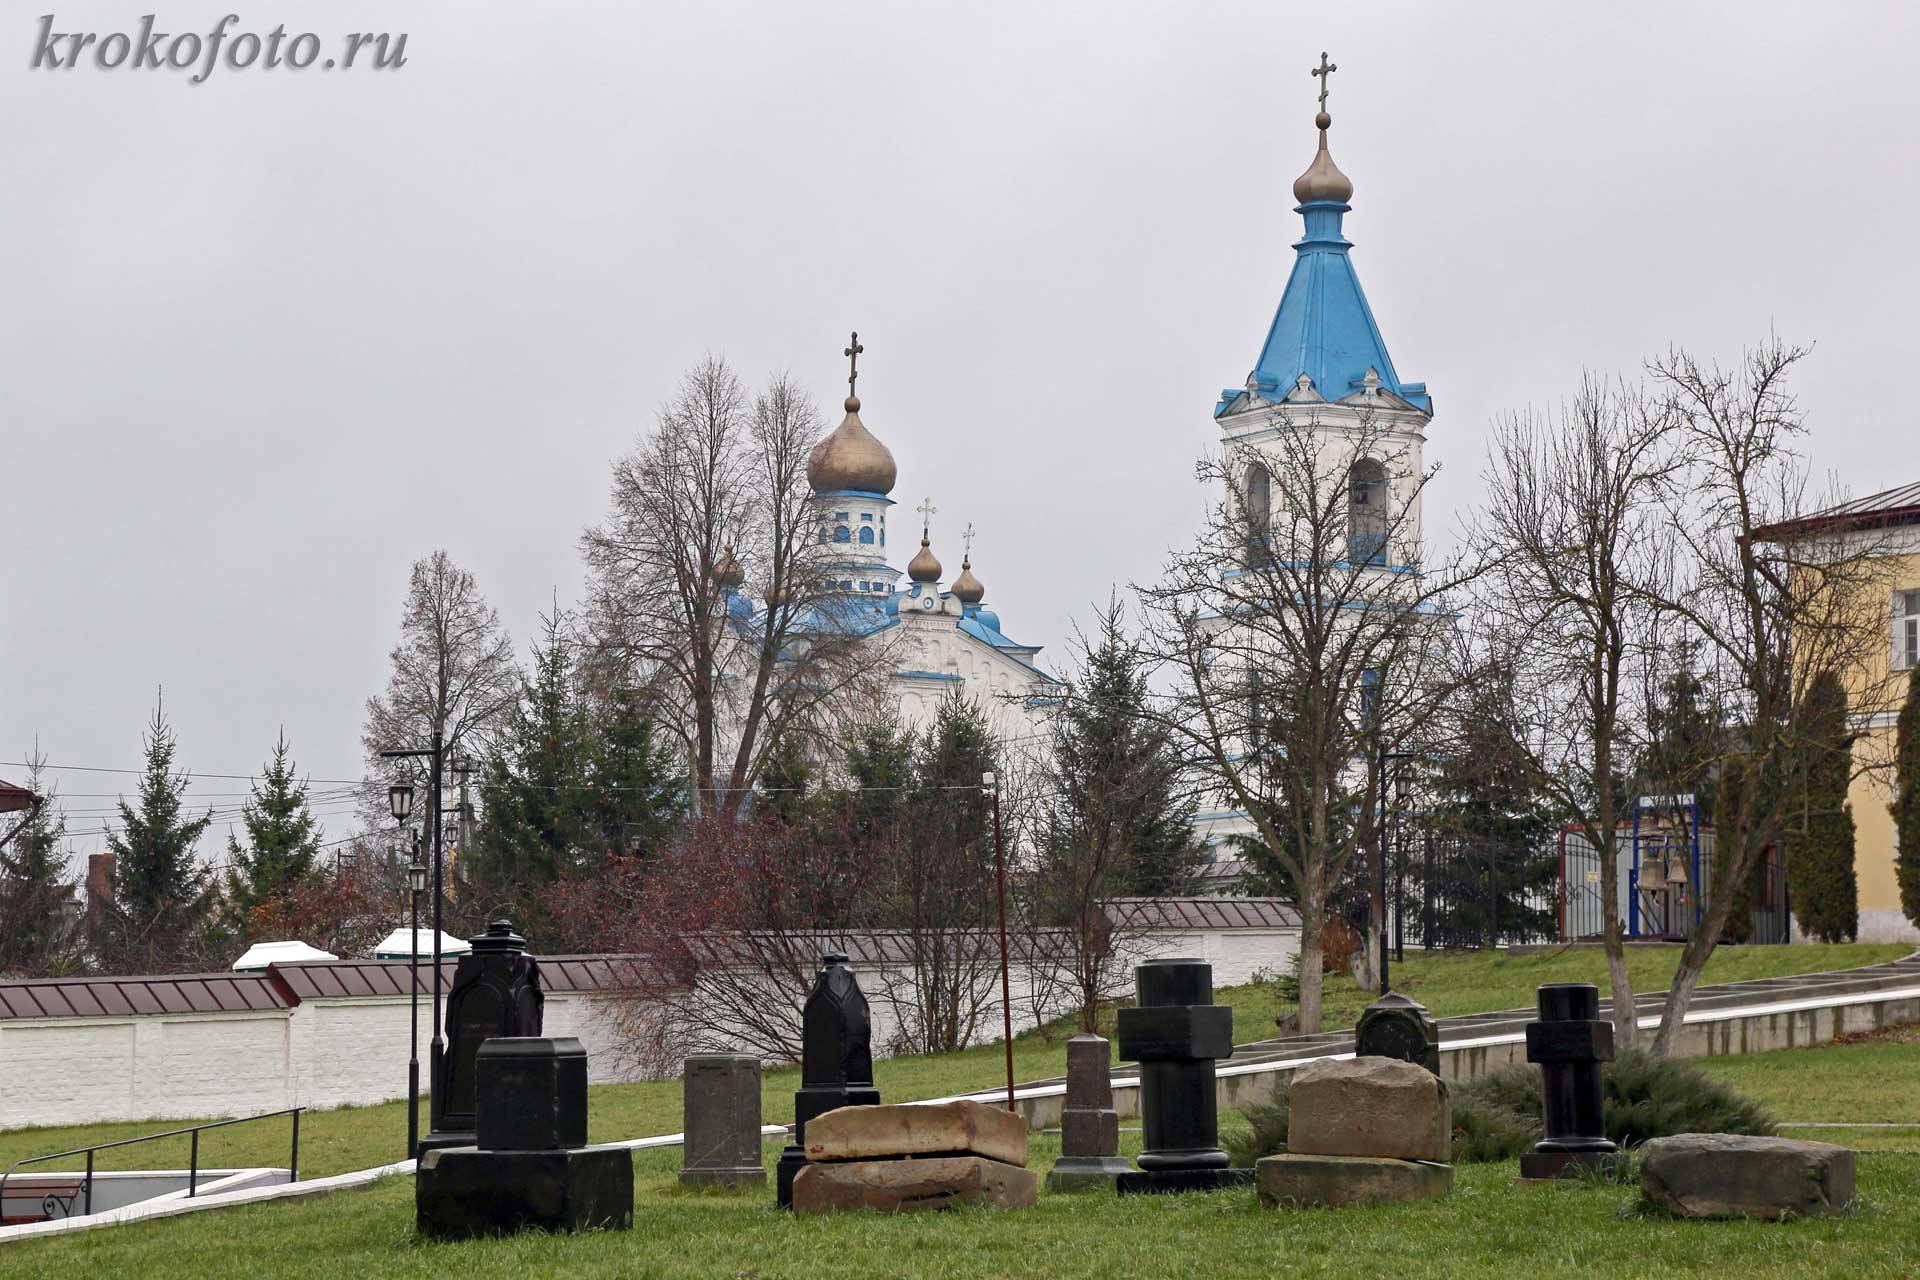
348	1138
1488	1227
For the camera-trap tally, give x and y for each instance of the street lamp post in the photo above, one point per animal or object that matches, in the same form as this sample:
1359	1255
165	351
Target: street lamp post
437	1049
416	885
991	784
1380	867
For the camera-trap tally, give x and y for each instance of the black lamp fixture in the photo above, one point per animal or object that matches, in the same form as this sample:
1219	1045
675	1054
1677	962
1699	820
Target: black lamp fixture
417	877
400	800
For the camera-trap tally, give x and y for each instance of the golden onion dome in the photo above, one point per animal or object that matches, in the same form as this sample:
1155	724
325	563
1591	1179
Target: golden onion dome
1323	179
727	570
966	588
924	567
851	458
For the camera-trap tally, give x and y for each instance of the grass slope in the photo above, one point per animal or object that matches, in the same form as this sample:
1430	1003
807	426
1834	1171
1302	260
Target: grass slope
348	1138
1488	1228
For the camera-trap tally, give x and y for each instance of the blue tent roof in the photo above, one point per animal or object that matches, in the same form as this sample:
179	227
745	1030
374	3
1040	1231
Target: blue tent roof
1324	327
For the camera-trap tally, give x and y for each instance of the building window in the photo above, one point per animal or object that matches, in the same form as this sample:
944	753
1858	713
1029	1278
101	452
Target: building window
842	534
867	516
1259	515
866	537
1906	630
1367	519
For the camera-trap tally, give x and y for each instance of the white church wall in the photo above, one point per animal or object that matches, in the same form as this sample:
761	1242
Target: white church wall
353	1051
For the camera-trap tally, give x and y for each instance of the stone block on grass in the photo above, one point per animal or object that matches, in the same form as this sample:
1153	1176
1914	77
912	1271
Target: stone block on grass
908	1129
912	1186
463	1192
1725	1175
1304	1180
1379	1107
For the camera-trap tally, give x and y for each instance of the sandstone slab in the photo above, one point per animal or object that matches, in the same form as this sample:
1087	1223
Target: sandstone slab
1378	1107
1299	1180
946	1128
1724	1175
913	1186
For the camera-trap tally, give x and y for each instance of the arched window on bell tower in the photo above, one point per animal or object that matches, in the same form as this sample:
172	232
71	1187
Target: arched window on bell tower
1259	503
1367	518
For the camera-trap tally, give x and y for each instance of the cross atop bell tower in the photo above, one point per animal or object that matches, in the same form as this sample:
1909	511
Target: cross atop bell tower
852	353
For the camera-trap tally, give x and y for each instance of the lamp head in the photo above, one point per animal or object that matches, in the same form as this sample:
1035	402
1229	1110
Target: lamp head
417	877
400	800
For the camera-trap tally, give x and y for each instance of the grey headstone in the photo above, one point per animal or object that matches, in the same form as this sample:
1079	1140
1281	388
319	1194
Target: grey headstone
1089	1126
721	1093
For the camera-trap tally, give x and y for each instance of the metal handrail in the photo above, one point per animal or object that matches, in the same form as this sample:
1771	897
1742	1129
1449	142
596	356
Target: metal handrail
193	1157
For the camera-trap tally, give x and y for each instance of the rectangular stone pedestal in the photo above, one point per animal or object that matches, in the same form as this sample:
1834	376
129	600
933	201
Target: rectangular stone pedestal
462	1192
1543	1166
913	1186
1166	1182
1086	1173
1349	1180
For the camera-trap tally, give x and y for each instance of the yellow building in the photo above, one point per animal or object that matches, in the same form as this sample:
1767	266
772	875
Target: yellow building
1886	527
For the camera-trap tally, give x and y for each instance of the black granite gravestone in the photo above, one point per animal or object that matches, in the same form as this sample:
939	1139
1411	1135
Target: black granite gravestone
496	992
1569	1043
531	1167
836	1061
1175	1032
1395	1026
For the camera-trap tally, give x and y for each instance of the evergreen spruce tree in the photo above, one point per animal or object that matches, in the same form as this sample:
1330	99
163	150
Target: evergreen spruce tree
636	792
38	923
879	769
1494	821
1685	738
533	789
1906	800
283	841
161	901
1826	891
1122	802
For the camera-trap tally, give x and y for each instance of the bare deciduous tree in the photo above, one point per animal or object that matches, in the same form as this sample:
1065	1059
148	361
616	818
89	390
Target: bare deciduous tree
1298	640
453	676
1580	548
1773	604
711	512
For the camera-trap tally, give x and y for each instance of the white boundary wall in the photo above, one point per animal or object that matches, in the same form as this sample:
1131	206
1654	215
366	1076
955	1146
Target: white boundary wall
334	1052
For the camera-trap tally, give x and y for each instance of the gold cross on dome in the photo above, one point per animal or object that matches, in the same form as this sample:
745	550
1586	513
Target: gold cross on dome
966	541
1325	71
852	353
927	512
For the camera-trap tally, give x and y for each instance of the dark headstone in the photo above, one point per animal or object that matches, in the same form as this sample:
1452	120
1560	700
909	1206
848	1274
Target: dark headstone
721	1110
1089	1126
836	1061
462	1192
1569	1043
1175	1032
496	992
535	1091
530	1169
1395	1026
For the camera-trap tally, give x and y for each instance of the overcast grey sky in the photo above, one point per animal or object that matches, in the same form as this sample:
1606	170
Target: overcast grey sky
266	339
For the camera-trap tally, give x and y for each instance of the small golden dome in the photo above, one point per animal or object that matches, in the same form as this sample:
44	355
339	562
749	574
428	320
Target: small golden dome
851	458
728	571
924	567
1323	179
966	588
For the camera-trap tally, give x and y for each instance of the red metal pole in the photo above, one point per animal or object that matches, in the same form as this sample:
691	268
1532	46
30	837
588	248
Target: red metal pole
1006	990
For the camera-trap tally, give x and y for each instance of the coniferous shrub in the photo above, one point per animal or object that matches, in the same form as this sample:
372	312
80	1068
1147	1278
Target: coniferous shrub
1497	1117
1906	800
1826	890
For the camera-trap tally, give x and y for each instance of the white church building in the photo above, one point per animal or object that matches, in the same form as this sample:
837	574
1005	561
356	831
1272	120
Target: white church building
940	641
